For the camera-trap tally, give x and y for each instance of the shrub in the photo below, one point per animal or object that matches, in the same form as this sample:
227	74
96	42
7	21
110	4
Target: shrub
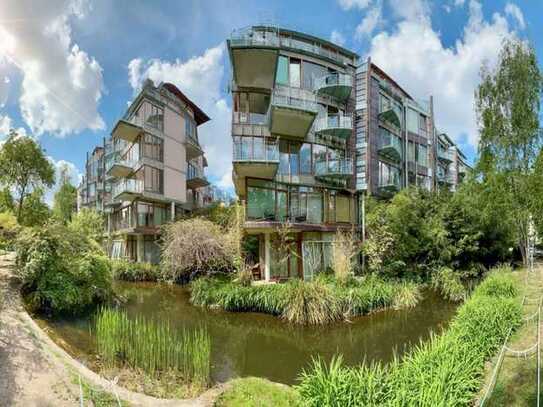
193	247
499	283
8	230
129	271
444	371
448	283
61	271
344	248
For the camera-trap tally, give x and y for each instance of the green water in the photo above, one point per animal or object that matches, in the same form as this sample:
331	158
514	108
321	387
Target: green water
251	344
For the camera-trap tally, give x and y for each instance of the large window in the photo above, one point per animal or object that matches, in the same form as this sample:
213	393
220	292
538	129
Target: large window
412	121
388	175
190	127
305	159
153	179
261	201
294	73
153	147
150	214
151	115
411	156
422	155
281	77
311	72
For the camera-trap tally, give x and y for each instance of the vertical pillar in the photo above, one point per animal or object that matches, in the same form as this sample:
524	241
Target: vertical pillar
267	255
109	224
140	249
172	211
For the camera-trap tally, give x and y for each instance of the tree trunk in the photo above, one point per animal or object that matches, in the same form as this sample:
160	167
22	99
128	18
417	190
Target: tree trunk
20	208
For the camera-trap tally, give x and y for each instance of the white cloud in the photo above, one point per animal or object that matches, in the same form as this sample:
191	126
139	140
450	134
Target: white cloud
350	4
414	55
369	23
337	38
200	79
5	126
459	3
411	10
514	11
62	84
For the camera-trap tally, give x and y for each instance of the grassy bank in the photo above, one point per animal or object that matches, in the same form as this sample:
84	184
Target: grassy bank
257	392
129	271
321	301
446	370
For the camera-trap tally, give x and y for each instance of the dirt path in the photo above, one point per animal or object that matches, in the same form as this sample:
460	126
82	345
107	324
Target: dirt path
29	376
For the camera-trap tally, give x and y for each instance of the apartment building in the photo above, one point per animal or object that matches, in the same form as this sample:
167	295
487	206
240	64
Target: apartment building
150	171
314	132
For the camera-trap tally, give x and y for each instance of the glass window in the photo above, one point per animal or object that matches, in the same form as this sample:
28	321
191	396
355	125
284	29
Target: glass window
412	121
384	103
281	77
311	72
153	179
422	125
260	203
305	159
153	147
283	158
314	207
411	151
342	209
282	205
294	73
422	156
293	160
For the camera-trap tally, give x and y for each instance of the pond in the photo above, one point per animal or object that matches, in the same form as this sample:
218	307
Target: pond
251	344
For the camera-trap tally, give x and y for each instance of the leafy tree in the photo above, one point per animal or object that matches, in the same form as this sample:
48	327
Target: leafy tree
6	200
89	223
35	211
65	200
507	104
24	167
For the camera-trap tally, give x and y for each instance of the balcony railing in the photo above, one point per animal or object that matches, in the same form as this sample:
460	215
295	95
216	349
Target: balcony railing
342	167
121	162
340	125
338	85
294	98
445	155
390	146
271	37
389	183
255	149
194	172
127	186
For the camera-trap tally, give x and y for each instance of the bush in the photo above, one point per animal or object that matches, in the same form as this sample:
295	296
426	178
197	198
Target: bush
320	301
62	272
8	230
129	271
194	247
445	371
448	283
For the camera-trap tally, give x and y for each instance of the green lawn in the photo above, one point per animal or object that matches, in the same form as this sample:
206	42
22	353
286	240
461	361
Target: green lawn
253	391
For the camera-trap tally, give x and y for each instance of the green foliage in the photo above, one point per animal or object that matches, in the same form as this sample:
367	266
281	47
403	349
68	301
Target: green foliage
129	271
8	230
89	223
155	348
508	105
35	211
444	371
62	272
446	281
257	392
320	301
65	200
24	167
6	201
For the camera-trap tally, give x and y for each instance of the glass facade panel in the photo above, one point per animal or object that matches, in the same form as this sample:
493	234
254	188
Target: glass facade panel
305	159
342	209
422	156
281	77
314	207
294	72
260	203
411	151
412	121
311	72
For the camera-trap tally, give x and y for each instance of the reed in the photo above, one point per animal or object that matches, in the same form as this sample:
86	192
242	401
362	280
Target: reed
152	347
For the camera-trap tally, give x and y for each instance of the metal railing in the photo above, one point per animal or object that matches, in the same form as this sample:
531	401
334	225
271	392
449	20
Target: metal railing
333	122
445	154
255	149
249	37
120	161
195	172
285	96
341	166
389	140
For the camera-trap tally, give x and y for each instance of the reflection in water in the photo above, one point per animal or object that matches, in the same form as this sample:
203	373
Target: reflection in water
251	344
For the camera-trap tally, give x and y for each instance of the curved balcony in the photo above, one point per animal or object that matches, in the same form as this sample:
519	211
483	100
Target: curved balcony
337	169
391	116
254	54
127	189
196	177
446	156
337	85
390	146
126	130
340	126
388	185
120	168
292	112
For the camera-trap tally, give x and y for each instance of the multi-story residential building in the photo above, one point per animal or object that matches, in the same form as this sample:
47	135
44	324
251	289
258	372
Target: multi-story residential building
151	170
314	132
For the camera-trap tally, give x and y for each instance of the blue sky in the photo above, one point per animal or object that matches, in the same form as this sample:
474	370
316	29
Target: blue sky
68	68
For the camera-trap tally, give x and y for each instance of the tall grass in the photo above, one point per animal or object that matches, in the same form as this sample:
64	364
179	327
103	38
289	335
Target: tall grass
152	347
316	302
444	371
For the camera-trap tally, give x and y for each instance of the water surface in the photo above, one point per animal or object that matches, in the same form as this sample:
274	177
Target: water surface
252	344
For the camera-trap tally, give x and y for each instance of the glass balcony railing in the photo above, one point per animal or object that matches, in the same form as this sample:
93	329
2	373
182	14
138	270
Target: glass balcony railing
340	125
251	149
300	99
342	167
127	186
194	172
272	37
117	161
337	85
445	155
390	146
390	182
